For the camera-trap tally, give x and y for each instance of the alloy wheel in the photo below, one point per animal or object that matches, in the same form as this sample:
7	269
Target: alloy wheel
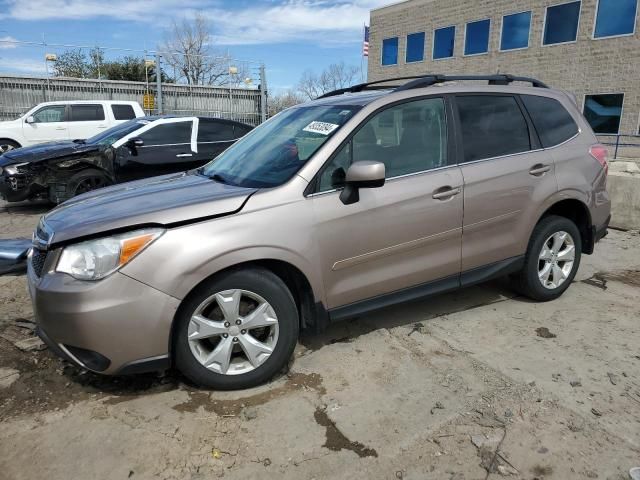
89	184
556	259
233	332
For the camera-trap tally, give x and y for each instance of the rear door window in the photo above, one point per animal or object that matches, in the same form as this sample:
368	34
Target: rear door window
550	119
123	112
214	131
491	126
86	113
168	134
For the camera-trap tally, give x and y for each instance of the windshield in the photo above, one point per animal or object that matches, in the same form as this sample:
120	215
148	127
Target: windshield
273	152
113	134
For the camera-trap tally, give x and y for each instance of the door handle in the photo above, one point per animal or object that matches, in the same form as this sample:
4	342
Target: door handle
180	155
441	194
102	126
60	128
539	170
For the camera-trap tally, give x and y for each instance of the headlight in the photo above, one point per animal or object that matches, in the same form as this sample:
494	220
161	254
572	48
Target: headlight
14	169
95	259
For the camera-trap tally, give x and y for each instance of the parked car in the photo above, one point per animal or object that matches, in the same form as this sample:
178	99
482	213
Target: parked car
327	211
74	119
136	149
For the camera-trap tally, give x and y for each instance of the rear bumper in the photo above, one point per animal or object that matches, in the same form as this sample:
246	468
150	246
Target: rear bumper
113	326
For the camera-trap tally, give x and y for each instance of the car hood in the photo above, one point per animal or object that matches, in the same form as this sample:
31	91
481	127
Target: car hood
168	200
45	151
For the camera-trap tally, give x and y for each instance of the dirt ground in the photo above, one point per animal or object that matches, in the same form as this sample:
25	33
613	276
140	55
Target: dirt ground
475	384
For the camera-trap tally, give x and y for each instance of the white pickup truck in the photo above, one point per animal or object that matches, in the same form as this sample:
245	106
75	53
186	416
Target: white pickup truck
66	120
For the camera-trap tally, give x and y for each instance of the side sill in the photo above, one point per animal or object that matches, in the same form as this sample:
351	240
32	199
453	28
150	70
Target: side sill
491	271
454	282
405	295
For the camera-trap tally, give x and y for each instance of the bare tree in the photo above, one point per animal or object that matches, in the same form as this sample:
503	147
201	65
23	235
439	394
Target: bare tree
284	100
188	50
335	76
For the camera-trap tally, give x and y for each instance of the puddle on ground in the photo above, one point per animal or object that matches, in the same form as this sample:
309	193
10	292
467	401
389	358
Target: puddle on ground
600	279
336	440
295	381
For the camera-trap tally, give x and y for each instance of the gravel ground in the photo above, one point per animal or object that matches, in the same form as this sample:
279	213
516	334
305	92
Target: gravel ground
475	384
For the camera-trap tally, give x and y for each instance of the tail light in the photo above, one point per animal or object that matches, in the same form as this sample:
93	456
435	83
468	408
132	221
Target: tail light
600	153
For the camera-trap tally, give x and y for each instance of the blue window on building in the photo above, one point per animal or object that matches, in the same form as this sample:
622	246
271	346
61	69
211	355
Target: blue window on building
515	31
561	23
443	42
476	39
415	47
615	17
603	112
390	51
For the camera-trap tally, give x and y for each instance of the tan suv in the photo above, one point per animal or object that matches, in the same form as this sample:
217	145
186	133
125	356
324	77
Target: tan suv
367	197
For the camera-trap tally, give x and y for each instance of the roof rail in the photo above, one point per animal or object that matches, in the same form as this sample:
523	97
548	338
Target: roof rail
369	86
422	81
498	79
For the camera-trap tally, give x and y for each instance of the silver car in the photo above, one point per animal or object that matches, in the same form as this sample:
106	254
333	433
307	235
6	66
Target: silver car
331	209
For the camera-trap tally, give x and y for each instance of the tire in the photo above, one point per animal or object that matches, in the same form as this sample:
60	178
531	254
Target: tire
256	287
6	145
85	181
528	281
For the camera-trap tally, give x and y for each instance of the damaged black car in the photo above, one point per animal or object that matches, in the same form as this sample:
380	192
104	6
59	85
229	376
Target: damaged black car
140	148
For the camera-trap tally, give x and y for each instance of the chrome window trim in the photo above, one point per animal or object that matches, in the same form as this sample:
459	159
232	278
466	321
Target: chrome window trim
390	179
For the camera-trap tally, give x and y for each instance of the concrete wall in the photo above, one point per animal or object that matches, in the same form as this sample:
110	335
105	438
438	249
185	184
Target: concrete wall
610	65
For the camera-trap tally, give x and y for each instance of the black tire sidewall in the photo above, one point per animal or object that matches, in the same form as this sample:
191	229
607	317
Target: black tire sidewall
545	228
273	290
75	180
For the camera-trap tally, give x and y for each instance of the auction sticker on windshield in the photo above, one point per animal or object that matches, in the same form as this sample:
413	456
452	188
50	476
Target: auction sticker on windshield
322	128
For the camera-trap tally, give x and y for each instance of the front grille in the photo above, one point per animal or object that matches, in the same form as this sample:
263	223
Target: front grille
38	257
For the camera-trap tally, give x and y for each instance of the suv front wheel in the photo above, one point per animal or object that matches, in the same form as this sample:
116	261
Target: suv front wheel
237	331
552	259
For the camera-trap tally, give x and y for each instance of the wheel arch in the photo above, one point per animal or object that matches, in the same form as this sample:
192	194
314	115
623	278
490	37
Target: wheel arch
578	212
12	140
312	314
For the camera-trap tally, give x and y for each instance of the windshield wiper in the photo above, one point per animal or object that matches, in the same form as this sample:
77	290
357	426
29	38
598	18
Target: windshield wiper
219	178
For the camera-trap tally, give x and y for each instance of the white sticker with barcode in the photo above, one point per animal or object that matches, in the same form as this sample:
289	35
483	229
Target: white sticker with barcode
322	128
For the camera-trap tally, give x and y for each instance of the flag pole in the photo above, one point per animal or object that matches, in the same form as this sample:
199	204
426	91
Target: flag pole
364	32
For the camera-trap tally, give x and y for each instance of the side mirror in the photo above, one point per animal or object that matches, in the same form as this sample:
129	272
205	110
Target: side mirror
135	142
364	174
30	119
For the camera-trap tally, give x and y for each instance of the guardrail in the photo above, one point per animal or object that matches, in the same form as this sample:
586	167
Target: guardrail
617	144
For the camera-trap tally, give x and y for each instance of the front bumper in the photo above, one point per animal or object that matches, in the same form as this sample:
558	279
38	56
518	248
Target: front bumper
116	325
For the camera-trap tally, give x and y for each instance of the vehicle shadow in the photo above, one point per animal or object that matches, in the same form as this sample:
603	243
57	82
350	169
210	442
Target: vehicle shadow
416	313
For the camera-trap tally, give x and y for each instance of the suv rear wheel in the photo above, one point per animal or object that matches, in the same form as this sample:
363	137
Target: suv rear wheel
552	259
237	331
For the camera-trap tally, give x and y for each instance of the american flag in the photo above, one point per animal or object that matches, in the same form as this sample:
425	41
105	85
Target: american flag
365	43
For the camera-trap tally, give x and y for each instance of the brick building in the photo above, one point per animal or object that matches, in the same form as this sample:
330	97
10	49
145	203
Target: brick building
590	48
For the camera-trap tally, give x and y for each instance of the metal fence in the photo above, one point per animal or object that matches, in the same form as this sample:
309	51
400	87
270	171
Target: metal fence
20	93
620	146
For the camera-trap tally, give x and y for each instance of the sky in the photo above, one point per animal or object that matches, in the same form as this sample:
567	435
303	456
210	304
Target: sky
288	36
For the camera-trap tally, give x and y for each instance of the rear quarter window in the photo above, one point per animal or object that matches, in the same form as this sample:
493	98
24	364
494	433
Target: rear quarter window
123	112
214	131
550	119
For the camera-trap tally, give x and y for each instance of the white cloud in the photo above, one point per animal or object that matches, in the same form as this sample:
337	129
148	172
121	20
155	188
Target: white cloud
4	43
11	65
322	22
326	22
